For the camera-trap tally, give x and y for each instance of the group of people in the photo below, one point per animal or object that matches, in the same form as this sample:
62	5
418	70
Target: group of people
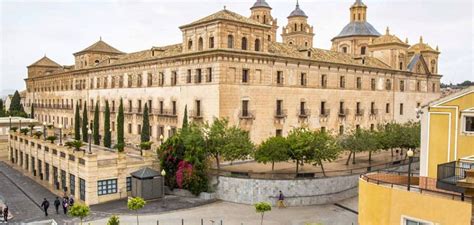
65	202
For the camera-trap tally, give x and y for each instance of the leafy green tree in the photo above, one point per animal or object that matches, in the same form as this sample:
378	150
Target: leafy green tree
185	117
325	147
77	124
387	136
113	220
16	108
135	204
96	124
262	208
353	143
227	142
300	152
85	124
32	112
2	108
120	124
79	210
145	135
274	149
409	135
107	133
371	141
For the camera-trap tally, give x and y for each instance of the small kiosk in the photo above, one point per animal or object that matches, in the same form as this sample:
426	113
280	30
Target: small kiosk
147	184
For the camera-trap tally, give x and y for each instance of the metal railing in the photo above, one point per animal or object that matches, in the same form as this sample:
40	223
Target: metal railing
282	113
343	112
448	175
303	112
325	113
246	114
359	112
310	175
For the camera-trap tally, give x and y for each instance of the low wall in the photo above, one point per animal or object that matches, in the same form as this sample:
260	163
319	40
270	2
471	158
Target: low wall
297	192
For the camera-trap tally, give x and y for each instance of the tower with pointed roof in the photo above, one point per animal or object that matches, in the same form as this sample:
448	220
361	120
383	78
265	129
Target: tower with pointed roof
262	13
358	34
298	32
428	55
43	66
391	50
94	54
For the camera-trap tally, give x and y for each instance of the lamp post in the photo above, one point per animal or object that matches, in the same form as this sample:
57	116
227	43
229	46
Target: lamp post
20	126
89	132
44	130
163	174
10	124
60	134
161	141
410	158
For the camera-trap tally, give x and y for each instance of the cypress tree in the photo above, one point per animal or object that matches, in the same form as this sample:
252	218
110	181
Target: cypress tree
185	117
145	135
96	124
107	134
85	124
32	115
120	121
2	108
15	105
77	124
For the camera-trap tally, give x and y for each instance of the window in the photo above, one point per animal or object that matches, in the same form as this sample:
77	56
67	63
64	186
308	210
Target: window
362	50
411	221
401	65
198	108
129	183
139	129
402	85
358	111
63	180
323	108
417	85
161	79
230	41
200	44
388	85
280	77
209	75
324	81
303	79
129	128
245	75
244	43
372	84
72	184
190	45
344	49
341	108
245	108
401	108
433	87
372	108
257	44
105	187
342	82
278	132
198	78
468	124
149	80
279	107
211	42
173	107
161	108
188	78
82	189
139	105
302	108
387	108
341	130
359	83
174	78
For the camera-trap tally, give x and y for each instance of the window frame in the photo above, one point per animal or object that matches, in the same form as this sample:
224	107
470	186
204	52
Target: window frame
107	187
464	116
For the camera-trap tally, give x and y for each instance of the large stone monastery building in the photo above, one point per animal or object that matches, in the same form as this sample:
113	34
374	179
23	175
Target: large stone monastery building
229	65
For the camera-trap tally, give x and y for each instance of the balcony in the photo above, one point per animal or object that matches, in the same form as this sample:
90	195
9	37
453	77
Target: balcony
374	112
359	113
280	113
246	115
449	174
303	113
325	113
343	113
164	112
195	114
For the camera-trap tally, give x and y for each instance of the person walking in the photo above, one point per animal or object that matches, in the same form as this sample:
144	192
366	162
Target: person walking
71	200
65	204
281	201
57	203
45	206
5	213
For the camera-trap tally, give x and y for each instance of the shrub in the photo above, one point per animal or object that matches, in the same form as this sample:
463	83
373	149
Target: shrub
261	208
14	129
51	139
146	145
24	131
120	147
113	220
79	210
37	134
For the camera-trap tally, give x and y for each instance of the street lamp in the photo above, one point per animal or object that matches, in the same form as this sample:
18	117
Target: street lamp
20	126
161	141
410	158
90	143
44	130
163	174
60	134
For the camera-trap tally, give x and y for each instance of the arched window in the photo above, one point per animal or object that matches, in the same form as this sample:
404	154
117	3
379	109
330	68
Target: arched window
306	44
96	61
433	66
362	50
190	45
358	16
257	44
230	41
211	42
200	44
401	65
301	27
296	27
244	43
264	19
344	49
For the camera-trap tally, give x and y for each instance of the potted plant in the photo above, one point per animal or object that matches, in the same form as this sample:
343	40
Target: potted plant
120	147
51	139
32	127
76	144
37	134
14	129
24	131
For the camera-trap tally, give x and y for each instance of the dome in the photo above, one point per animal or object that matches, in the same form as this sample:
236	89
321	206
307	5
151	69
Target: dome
388	38
358	28
261	4
297	12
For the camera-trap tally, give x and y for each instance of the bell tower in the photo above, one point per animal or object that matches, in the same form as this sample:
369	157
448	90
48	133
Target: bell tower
358	12
262	13
298	32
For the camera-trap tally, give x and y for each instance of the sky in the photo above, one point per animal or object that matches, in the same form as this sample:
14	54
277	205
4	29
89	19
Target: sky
30	29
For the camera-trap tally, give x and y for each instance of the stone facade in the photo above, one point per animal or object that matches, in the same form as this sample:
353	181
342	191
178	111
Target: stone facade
231	66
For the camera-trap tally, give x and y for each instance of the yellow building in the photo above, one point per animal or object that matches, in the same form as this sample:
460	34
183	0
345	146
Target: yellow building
437	196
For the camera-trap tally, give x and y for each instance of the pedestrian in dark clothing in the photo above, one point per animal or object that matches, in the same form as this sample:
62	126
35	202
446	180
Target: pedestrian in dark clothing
281	200
65	205
45	206
71	201
57	203
5	214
